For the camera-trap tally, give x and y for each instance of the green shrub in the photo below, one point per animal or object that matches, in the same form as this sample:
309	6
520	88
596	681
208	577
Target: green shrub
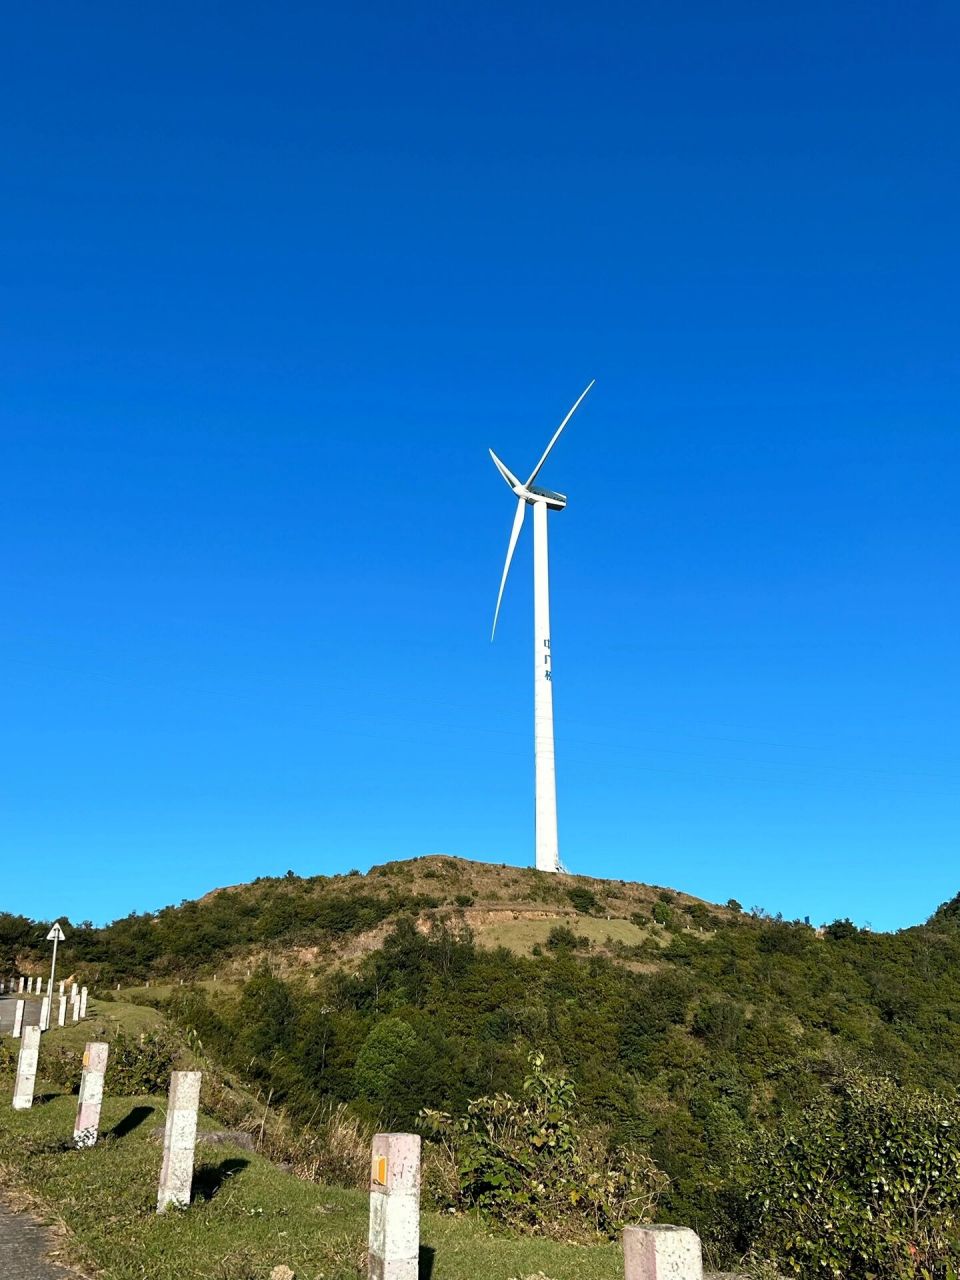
867	1186
840	929
584	900
663	914
719	1022
562	938
8	1056
701	915
529	1164
62	1067
142	1064
135	1065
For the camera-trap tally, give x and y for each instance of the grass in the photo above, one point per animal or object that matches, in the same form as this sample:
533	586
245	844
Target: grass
163	990
247	1215
104	1018
521	935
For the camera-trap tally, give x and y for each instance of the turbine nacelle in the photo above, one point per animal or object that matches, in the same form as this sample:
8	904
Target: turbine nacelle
529	494
555	501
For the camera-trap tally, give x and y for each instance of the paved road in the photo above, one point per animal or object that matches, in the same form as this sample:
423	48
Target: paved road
24	1245
31	1018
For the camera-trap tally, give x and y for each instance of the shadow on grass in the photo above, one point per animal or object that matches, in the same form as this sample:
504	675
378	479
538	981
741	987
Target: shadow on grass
47	1146
425	1269
132	1120
209	1178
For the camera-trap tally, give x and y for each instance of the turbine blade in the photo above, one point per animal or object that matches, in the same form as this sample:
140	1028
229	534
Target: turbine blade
505	471
514	535
556	434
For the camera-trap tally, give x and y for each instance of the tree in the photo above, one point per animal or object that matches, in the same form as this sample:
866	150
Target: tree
387	1064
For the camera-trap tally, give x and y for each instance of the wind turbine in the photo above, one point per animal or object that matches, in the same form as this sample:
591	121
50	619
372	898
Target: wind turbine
542	501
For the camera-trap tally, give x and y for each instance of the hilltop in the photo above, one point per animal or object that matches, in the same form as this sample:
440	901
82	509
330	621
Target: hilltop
302	923
500	905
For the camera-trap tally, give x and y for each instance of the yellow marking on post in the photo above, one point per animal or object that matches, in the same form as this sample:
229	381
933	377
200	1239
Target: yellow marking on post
380	1170
86	1058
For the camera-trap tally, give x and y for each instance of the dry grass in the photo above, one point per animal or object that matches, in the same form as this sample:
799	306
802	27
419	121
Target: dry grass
522	935
336	1148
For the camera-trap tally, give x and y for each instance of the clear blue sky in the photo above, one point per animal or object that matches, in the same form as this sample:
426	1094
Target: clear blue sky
273	277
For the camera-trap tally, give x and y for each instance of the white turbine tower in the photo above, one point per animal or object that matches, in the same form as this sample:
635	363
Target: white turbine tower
542	500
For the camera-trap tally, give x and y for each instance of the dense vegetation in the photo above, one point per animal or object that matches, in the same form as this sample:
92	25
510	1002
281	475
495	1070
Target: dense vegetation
732	1049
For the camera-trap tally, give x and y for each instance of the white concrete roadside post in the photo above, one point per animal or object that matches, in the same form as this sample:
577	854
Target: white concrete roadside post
20	987
75	1014
661	1252
62	1012
26	1069
18	1018
87	1124
179	1140
74	992
394	1240
45	1014
62	985
83	1002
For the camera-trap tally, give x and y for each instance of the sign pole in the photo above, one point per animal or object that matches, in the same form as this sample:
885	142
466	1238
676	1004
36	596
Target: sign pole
55	935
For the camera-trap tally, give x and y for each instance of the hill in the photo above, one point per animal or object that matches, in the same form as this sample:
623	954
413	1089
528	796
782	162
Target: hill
300	923
698	1035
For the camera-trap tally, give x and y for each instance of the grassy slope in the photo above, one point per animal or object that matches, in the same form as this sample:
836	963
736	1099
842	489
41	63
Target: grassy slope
521	935
104	1018
240	1225
256	1217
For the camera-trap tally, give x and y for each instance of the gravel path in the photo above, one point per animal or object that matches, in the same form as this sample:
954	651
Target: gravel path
24	1244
